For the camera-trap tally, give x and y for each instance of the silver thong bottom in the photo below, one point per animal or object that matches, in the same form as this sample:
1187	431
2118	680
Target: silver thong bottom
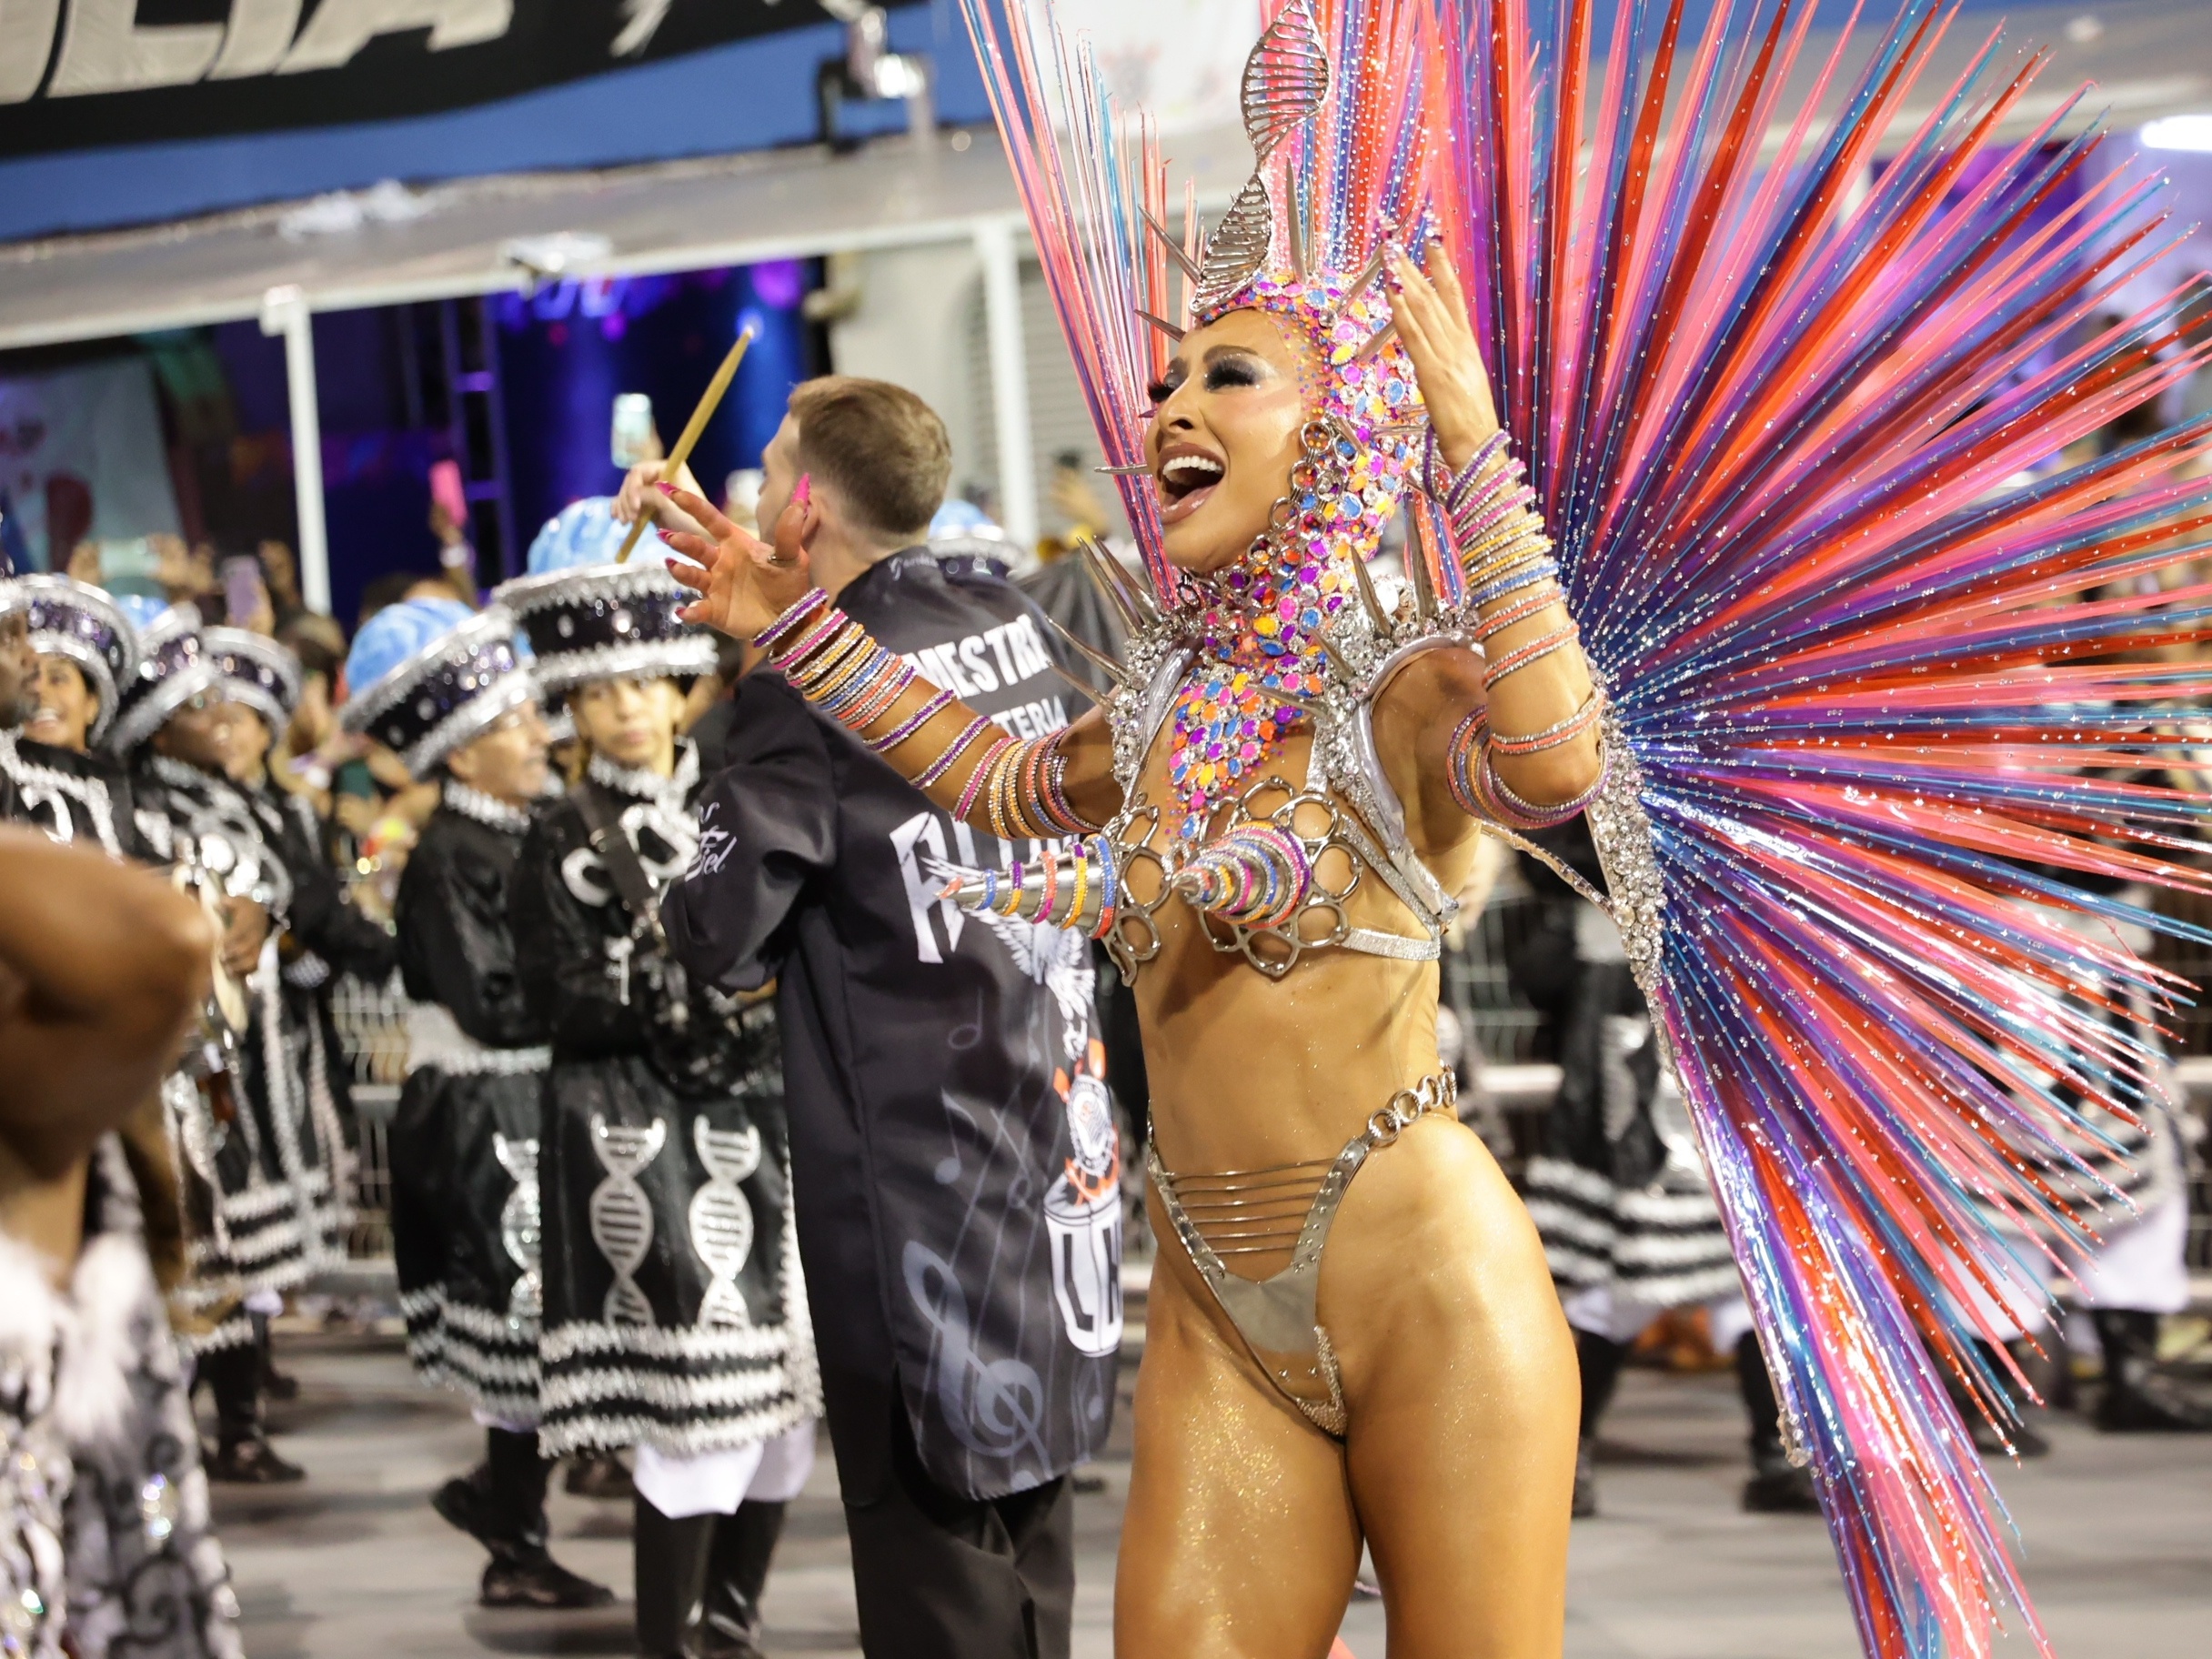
1248	1212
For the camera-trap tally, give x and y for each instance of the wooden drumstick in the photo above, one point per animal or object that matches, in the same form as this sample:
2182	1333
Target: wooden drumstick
708	402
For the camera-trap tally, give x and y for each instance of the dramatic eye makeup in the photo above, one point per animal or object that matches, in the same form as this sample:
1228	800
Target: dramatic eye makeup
1227	368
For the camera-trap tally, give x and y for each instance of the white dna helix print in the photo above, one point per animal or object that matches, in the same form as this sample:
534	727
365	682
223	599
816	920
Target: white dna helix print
722	1220
621	1215
519	1219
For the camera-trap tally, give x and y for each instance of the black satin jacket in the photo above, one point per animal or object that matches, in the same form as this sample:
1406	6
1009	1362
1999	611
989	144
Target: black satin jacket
935	1063
454	946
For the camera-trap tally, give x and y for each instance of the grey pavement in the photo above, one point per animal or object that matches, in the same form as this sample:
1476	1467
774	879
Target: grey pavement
354	1565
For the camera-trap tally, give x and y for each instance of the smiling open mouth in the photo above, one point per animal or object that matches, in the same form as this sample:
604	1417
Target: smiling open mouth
1186	478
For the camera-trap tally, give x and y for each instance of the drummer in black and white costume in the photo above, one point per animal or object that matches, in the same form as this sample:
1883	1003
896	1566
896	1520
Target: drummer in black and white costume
160	1591
324	936
675	1315
274	1215
445	690
56	776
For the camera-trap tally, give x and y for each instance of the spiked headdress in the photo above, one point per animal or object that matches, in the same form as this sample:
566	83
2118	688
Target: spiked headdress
1335	99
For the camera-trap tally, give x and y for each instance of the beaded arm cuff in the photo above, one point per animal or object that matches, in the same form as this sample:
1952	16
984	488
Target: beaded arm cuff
1018	786
1078	886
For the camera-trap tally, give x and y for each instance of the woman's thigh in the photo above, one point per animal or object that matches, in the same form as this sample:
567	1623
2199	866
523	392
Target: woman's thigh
1460	1376
1239	1540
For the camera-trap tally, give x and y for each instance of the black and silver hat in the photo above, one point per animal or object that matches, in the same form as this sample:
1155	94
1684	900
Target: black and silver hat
174	668
587	617
256	671
608	623
70	618
426	675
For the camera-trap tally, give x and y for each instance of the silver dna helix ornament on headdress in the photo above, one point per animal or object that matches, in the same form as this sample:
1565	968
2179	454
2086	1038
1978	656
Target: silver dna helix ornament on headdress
1286	80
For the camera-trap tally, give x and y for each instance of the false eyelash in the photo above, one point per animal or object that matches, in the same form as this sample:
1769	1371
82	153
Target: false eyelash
1159	391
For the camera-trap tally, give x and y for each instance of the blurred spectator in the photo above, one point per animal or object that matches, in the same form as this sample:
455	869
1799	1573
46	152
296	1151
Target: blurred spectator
457	556
741	498
280	570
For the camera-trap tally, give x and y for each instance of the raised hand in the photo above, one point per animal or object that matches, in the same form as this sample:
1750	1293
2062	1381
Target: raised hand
1431	312
743	583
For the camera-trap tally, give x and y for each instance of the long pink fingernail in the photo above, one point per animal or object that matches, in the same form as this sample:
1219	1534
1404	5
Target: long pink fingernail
802	492
664	486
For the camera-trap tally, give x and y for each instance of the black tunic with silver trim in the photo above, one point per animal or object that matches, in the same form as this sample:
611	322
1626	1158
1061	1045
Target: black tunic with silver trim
465	1141
1617	1187
277	1208
675	1314
326	936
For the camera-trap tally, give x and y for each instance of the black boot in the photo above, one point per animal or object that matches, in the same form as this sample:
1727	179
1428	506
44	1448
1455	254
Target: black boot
2140	1399
600	1474
275	1384
737	1571
1599	1359
1776	1487
242	1455
502	1504
527	1575
670	1552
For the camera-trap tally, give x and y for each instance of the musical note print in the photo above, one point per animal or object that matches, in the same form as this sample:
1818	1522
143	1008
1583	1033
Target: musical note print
621	1215
519	1236
947	1169
995	1407
721	1220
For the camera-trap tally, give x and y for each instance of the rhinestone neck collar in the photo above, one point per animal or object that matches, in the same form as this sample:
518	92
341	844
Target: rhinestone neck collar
487	810
643	783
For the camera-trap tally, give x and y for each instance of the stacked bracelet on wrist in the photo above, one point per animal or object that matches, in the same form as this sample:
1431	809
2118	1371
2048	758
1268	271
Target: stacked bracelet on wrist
1471	769
1023	791
837	665
1496	535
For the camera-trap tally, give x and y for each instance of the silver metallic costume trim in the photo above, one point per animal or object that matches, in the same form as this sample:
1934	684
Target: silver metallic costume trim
1278	1316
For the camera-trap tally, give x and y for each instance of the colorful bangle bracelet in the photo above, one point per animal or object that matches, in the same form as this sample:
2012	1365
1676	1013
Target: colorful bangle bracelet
1519	611
819	632
1553	735
1540	570
1519	814
945	762
980	775
1521	657
805	605
913	723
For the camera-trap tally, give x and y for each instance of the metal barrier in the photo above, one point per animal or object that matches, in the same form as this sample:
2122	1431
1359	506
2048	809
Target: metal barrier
372	1022
1476	986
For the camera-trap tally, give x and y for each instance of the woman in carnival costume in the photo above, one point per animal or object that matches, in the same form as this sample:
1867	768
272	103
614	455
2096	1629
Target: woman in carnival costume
1823	713
447	691
675	1312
